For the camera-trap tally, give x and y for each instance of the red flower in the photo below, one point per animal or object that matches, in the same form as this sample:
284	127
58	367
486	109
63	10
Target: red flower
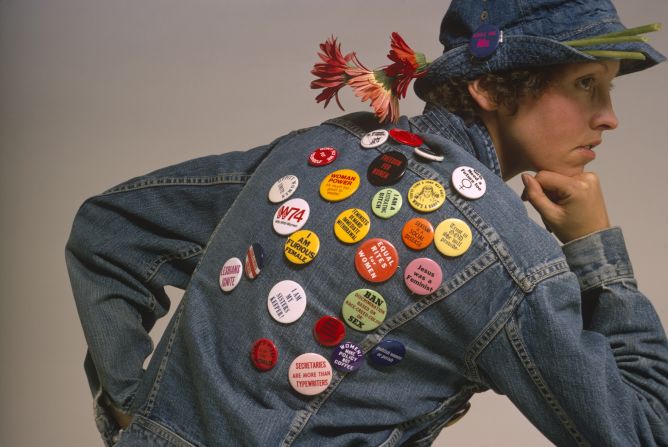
408	65
331	71
377	87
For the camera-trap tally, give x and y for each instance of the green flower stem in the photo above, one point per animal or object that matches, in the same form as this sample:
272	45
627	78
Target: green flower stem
635	31
616	54
605	40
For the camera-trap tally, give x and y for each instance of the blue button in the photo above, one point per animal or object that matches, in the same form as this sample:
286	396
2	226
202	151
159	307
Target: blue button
485	41
387	353
347	357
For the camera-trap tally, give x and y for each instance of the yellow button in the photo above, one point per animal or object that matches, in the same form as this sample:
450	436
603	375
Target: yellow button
302	246
426	195
352	225
339	185
452	237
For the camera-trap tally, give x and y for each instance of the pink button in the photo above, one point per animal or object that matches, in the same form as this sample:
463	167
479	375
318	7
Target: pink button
310	374
423	276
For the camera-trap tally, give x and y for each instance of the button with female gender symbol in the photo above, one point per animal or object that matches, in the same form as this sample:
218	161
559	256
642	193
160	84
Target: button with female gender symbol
468	182
291	216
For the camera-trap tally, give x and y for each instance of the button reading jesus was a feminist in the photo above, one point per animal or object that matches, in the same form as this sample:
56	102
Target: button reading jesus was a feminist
302	247
291	216
322	156
310	374
283	188
230	274
352	226
376	260
423	276
468	182
339	185
364	310
286	301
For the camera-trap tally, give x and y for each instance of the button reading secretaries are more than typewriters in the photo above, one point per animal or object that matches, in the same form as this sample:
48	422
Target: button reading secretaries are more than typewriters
283	188
302	247
230	274
339	185
254	262
310	374
468	182
376	260
322	156
374	138
387	169
329	331
286	301
291	216
423	276
387	353
264	354
347	357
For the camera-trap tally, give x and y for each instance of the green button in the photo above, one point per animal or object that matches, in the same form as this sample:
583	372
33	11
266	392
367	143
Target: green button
386	203
364	310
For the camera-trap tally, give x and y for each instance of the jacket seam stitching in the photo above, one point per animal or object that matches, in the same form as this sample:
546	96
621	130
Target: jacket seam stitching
152	182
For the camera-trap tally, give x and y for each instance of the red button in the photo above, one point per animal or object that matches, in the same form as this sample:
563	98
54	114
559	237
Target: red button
417	233
322	156
406	137
329	331
264	354
376	260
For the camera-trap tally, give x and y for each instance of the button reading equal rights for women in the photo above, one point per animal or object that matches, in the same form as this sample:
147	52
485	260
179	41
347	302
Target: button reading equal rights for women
417	233
347	357
230	274
426	195
310	374
322	156
364	310
291	216
468	182
329	331
423	276
405	137
452	237
352	226
376	260
264	354
386	203
286	301
302	247
387	169
374	138
339	185
283	188
387	353
254	262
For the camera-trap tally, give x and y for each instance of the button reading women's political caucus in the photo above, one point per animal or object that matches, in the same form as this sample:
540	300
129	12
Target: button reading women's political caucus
254	262
283	188
452	237
264	354
230	274
426	195
485	40
286	301
374	138
364	310
429	153
376	260
310	374
386	203
347	357
291	216
418	233
405	137
468	182
423	276
387	353
322	156
302	247
352	226
339	185
329	331
387	169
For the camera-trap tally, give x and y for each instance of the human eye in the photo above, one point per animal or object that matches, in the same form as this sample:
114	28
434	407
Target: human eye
586	83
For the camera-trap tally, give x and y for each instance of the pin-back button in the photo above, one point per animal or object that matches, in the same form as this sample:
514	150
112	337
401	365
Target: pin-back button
468	182
387	353
418	233
283	188
302	247
230	274
426	195
376	260
291	216
485	40
254	262
364	310
264	354
322	156
405	137
452	237
339	185
387	169
386	203
374	138
347	357
352	226
430	153
423	276
286	301
329	331
310	374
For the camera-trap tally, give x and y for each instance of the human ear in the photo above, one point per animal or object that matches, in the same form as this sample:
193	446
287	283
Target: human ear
482	96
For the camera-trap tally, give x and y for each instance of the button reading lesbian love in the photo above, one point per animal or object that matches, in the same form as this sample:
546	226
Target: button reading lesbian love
339	185
423	276
386	203
264	354
426	195
352	226
364	310
322	156
302	247
310	374
286	301
376	260
230	274
291	216
374	138
283	188
468	182
453	237
347	357
417	233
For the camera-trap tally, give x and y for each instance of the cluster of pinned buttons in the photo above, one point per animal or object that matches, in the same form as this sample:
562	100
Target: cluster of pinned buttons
376	259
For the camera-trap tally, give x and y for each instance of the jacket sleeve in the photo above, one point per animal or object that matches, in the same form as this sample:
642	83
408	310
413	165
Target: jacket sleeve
603	385
128	243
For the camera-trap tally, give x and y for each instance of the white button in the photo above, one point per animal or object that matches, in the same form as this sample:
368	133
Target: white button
310	374
374	138
283	188
230	274
468	182
286	301
291	216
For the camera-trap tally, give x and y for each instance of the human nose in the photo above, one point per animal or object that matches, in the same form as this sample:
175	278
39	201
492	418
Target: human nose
604	117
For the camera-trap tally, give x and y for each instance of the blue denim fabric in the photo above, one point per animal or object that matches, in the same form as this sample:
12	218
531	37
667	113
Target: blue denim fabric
565	334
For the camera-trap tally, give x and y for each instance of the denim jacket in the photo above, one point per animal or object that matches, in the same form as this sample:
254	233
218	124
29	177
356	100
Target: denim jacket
561	330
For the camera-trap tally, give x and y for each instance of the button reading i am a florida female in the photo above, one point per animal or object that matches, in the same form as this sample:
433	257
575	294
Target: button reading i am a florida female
329	331
230	274
387	353
310	374
322	156
374	138
254	262
302	247
339	185
468	182
387	169
364	310
423	276
291	216
264	354
405	137
376	260
283	188
352	226
426	195
386	203
418	233
347	357
286	301
453	237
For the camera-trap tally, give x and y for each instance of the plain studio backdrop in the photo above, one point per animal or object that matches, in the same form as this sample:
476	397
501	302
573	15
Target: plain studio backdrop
96	92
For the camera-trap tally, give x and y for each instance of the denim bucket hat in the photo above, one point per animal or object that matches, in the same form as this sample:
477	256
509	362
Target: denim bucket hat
531	33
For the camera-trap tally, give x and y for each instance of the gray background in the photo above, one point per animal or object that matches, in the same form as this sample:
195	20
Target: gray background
93	93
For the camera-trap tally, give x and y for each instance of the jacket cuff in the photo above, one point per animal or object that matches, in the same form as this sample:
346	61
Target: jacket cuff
598	258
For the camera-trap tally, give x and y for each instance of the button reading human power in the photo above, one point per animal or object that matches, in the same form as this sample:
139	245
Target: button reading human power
310	374
376	260
230	274
302	247
283	188
364	310
286	301
452	237
291	216
468	182
352	226
339	185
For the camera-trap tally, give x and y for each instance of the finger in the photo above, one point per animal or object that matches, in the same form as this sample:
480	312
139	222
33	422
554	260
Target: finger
556	186
536	196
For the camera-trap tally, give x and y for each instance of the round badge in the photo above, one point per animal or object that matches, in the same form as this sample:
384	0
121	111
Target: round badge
386	203
291	216
485	40
364	310
387	353
374	138
322	156
286	301
347	357
376	260
254	262
230	274
352	226
430	153
302	247
426	195
417	233
329	331
452	237
264	354
310	374
339	185
423	276
468	182
283	188
405	137
387	169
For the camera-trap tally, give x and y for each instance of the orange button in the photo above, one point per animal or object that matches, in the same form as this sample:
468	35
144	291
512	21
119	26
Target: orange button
376	260
418	233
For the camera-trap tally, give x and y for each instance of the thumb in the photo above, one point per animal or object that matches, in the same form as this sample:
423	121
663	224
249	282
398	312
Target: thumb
534	193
